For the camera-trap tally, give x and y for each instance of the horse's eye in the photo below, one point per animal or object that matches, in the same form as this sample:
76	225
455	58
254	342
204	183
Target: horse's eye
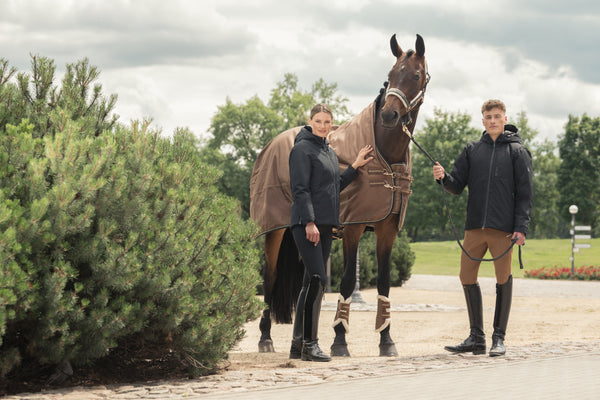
417	76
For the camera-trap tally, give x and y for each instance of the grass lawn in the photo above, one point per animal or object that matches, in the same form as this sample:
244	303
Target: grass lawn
443	258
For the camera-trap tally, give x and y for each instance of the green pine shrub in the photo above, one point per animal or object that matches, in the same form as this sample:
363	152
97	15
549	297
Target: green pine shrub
112	235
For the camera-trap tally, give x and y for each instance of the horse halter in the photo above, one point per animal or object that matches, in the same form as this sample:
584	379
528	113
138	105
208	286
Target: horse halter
409	105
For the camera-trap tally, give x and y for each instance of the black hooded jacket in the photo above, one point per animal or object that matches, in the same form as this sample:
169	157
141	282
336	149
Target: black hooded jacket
499	177
316	180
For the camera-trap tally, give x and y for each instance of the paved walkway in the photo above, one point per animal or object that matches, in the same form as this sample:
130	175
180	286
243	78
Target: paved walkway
566	377
544	371
566	370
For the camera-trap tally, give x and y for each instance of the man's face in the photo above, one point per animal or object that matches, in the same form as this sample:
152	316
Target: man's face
493	121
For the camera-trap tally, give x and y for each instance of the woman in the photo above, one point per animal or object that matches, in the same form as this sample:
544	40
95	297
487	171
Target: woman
316	184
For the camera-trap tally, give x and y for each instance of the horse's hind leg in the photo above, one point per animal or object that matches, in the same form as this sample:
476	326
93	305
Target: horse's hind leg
352	234
265	343
386	232
272	243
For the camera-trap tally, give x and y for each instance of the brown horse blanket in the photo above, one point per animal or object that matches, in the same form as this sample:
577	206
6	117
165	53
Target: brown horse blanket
379	190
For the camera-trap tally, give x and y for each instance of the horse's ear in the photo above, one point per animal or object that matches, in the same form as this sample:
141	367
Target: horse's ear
420	46
396	50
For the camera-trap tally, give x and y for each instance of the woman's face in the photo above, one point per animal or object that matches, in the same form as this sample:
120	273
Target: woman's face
321	124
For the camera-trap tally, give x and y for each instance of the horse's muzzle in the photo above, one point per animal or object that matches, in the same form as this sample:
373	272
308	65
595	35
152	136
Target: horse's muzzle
389	119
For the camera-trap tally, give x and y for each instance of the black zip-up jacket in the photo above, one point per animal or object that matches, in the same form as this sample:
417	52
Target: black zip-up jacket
499	177
316	180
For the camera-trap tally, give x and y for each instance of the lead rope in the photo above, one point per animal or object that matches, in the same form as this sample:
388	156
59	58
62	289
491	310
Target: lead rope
513	240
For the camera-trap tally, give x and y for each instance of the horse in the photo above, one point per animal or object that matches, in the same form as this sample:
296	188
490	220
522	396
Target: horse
376	200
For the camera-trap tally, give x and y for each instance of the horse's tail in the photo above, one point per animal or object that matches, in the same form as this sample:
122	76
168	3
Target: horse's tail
290	272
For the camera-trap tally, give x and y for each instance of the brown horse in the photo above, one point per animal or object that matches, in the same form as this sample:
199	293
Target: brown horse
376	200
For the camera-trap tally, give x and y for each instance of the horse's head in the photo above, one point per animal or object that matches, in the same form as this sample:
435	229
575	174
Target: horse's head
407	82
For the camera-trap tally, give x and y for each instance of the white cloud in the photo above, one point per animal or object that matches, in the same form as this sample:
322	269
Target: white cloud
177	61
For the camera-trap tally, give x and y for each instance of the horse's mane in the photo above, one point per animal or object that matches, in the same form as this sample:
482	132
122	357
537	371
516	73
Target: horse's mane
409	53
381	95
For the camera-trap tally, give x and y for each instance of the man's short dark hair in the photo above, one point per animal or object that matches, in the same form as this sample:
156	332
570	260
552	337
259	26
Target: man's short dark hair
494	103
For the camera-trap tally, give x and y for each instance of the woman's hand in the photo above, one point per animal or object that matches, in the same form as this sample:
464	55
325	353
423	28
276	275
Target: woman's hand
312	233
361	158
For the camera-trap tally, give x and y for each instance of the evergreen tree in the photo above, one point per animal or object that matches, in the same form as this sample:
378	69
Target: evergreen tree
112	237
36	98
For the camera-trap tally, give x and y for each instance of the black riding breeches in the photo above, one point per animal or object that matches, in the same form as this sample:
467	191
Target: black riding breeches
313	257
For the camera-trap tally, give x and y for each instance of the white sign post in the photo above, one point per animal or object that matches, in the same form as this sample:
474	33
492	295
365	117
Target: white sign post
575	247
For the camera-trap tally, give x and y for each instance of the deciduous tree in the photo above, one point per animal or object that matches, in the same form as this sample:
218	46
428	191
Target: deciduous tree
239	131
443	136
578	174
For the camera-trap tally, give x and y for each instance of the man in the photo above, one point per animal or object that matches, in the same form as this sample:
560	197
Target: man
497	170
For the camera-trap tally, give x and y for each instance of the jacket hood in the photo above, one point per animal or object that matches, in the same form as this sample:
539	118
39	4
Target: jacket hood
510	135
307	134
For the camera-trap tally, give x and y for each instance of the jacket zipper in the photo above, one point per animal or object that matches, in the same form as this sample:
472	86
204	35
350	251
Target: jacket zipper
487	193
334	166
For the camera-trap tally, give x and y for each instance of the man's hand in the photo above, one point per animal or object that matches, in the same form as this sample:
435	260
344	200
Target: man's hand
520	238
438	171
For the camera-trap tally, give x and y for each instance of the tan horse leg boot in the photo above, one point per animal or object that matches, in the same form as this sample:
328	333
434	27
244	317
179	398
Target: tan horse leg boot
384	315
342	314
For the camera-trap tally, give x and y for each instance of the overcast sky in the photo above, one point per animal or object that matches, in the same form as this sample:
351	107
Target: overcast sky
178	60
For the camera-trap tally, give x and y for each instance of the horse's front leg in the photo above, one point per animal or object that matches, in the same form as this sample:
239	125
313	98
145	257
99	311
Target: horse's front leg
352	234
386	233
272	244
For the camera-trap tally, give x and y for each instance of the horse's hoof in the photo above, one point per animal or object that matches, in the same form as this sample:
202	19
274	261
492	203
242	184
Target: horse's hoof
266	346
388	350
339	350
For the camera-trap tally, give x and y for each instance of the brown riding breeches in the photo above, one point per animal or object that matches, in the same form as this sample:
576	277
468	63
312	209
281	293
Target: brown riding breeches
476	243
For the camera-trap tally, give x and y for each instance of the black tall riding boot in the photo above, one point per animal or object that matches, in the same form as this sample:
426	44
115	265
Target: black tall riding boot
296	348
476	341
503	302
312	309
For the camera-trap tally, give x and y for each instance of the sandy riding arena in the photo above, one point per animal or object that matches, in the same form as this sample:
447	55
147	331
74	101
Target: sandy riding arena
548	319
429	312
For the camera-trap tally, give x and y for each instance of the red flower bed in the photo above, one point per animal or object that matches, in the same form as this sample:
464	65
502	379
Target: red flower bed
581	273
